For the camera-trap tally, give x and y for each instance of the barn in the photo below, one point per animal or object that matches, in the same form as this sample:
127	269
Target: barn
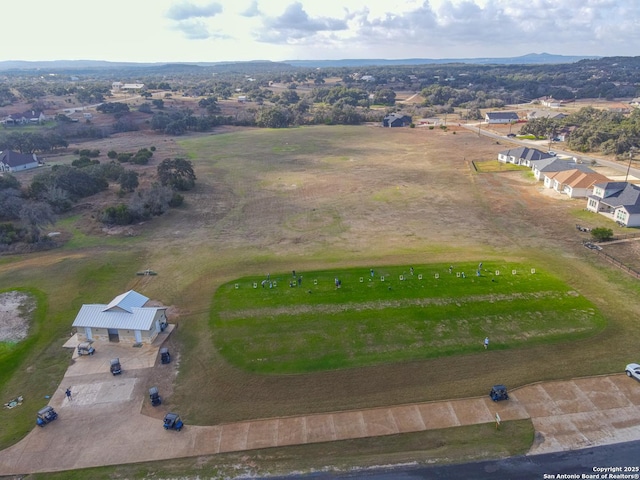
125	319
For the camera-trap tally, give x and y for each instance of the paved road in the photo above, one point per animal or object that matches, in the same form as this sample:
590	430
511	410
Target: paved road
105	416
603	461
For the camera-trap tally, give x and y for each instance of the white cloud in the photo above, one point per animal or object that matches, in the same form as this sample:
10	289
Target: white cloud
205	30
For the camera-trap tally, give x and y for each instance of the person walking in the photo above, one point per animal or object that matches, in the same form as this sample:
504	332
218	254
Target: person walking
486	342
68	394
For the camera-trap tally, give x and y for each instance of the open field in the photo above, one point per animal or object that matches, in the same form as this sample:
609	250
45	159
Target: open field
323	198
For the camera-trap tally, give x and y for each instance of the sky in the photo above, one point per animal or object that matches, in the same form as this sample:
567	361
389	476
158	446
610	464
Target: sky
277	30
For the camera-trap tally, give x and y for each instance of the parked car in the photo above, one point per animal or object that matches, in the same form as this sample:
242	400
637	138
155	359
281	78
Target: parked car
633	370
86	348
499	392
116	368
154	396
165	356
172	422
511	135
552	153
46	415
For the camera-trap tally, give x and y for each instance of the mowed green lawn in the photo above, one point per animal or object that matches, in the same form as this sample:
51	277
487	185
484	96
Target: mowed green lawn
287	324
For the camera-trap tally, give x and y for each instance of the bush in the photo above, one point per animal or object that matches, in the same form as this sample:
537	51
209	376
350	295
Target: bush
118	215
601	234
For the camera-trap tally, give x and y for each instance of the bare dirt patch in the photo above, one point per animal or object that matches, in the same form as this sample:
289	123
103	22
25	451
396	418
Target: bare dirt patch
15	314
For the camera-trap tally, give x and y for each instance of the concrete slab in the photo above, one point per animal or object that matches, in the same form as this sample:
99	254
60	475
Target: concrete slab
438	415
292	431
349	425
472	411
262	434
568	397
537	401
234	437
509	410
408	418
628	387
379	422
603	394
320	428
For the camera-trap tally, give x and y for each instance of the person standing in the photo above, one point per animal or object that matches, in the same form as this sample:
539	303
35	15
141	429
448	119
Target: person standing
68	394
486	342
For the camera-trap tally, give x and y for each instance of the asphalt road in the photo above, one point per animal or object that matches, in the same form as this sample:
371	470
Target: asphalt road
604	462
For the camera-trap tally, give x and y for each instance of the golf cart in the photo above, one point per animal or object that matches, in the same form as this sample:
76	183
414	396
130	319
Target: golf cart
172	422
85	348
165	356
154	396
46	415
498	392
116	369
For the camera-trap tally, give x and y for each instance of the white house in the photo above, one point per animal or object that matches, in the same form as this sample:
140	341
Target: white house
522	156
125	318
11	161
551	102
554	164
619	201
501	117
119	86
573	183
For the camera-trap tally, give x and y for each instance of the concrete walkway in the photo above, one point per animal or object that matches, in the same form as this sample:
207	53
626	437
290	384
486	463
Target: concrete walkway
102	424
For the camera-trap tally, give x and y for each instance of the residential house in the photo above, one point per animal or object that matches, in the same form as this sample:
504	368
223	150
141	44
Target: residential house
396	120
124	319
11	161
619	201
522	156
551	102
535	114
573	183
501	117
554	164
25	118
119	86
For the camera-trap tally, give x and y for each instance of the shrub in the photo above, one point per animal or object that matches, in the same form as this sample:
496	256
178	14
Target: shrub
601	234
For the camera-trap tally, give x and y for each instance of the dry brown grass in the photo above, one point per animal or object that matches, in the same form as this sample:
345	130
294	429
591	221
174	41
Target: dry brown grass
323	197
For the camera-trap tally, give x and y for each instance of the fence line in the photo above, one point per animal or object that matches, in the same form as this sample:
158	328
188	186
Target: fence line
619	264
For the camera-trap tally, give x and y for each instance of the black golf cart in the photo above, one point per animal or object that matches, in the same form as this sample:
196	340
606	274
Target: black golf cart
46	415
499	392
172	422
154	396
165	356
86	348
115	368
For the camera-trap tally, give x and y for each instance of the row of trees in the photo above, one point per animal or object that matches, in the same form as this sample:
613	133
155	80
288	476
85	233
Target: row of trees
32	142
593	130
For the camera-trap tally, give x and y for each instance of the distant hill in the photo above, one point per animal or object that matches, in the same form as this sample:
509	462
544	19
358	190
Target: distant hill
529	59
70	65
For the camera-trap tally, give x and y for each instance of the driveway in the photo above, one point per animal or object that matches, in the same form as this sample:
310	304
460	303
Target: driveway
104	416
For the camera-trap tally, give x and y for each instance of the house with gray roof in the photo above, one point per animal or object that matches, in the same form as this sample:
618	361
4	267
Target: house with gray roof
396	120
522	156
542	167
127	318
619	201
501	117
11	161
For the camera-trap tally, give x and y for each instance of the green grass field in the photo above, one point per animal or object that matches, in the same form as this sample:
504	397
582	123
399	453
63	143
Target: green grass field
305	323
